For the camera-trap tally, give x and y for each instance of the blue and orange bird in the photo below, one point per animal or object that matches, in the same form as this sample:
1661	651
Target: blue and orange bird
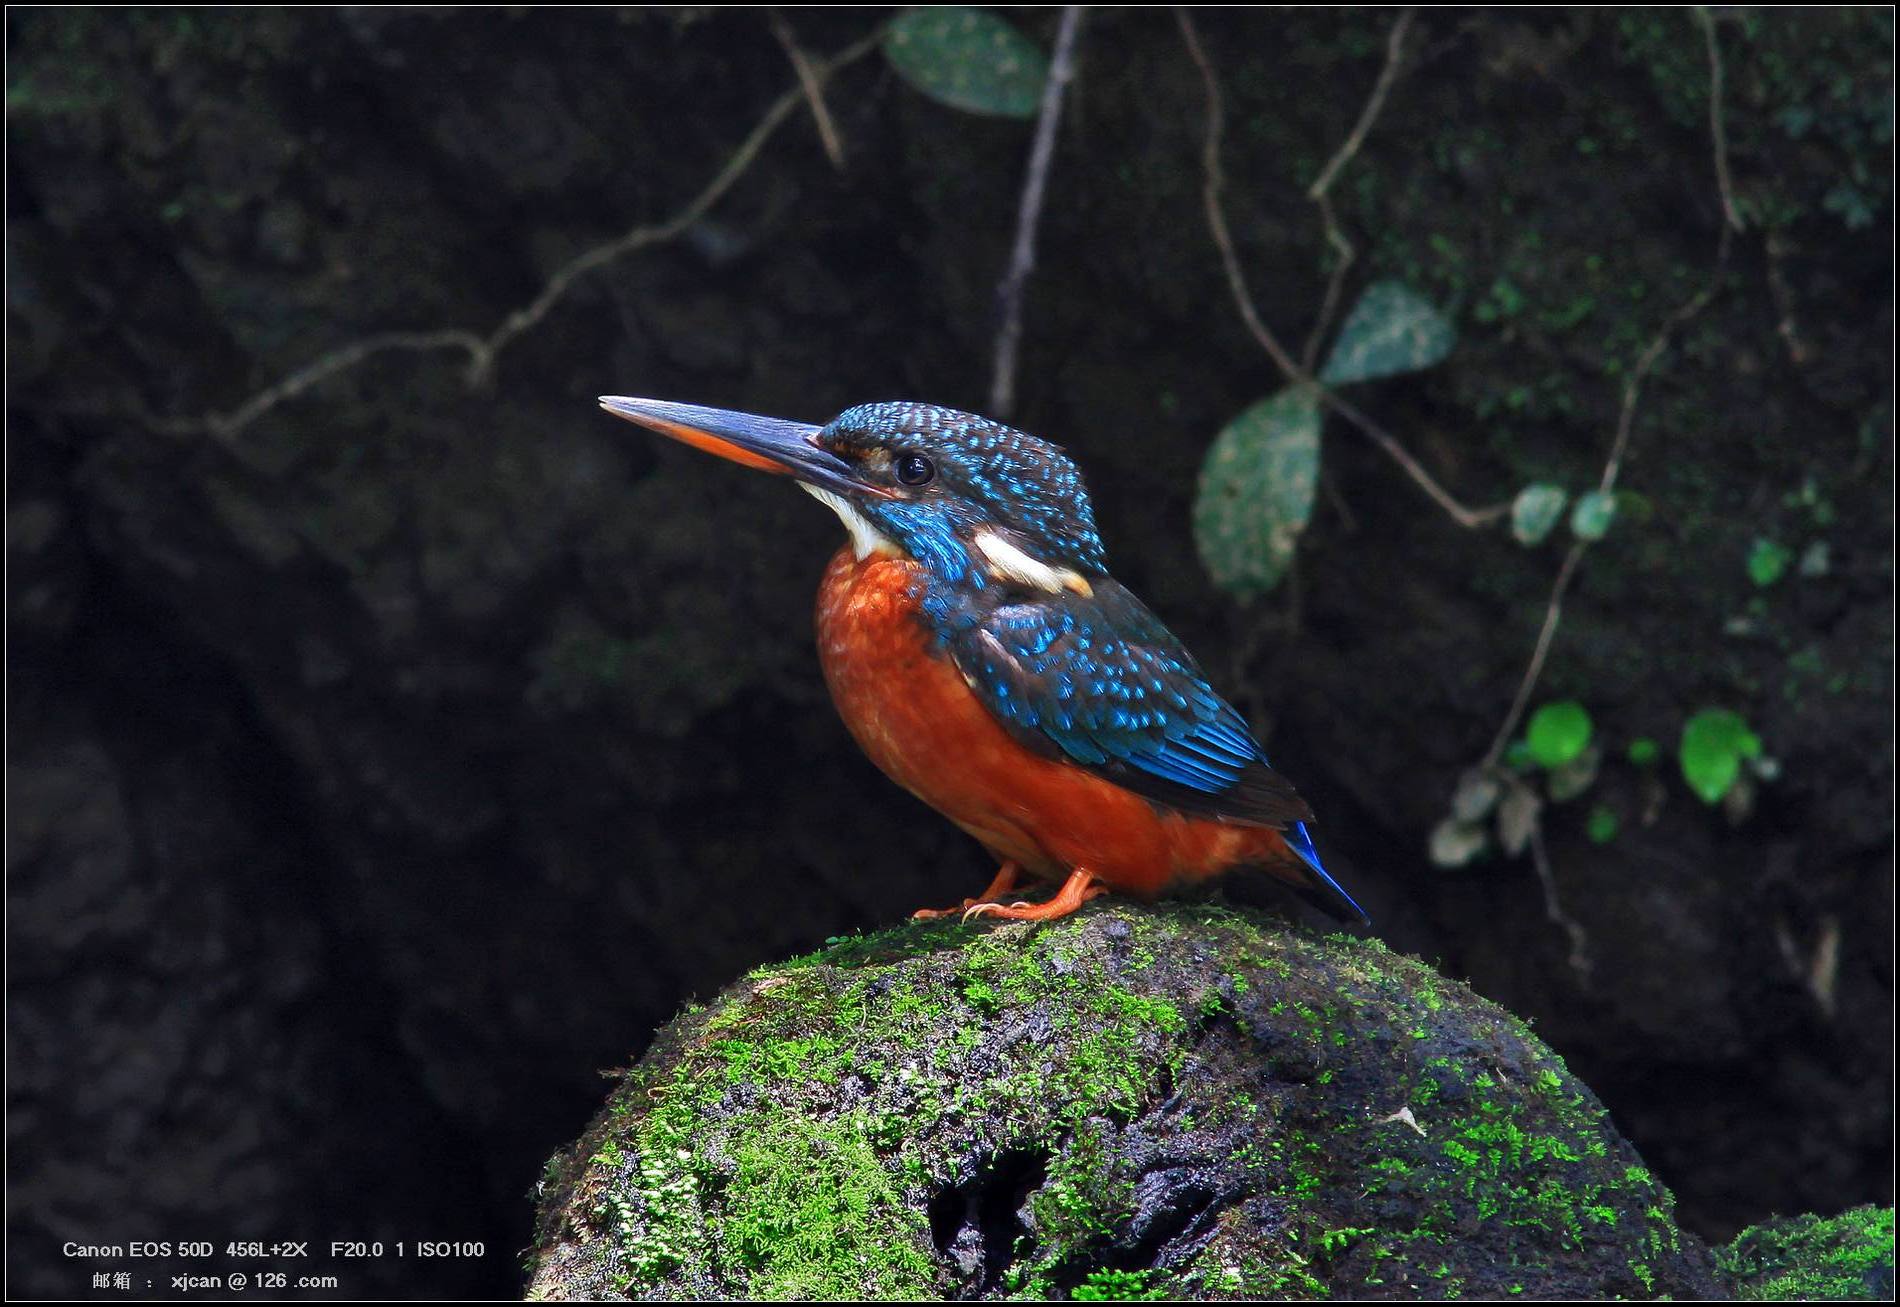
981	654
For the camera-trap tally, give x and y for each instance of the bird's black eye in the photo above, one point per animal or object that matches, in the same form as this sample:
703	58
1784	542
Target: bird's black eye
914	469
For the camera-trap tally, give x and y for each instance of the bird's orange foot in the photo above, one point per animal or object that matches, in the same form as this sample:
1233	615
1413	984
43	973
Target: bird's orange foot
1079	888
1002	883
931	914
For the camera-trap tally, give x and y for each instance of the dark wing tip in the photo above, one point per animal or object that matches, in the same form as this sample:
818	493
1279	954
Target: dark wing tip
1260	797
1264	791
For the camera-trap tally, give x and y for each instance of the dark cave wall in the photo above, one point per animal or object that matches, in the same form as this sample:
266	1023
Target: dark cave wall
383	770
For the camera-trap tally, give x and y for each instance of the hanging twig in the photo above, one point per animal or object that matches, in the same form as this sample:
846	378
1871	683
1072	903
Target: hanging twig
1632	389
1243	300
1776	248
814	92
1320	191
1394	48
1579	942
1716	130
1023	257
1553	609
1553	612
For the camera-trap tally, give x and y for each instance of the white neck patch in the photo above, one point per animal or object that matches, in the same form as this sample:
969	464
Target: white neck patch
1009	563
865	538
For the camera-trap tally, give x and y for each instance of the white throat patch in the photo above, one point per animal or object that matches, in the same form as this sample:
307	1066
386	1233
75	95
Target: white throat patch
1007	562
865	538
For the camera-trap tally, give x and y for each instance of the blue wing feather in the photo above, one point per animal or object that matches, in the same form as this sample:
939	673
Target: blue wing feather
1099	680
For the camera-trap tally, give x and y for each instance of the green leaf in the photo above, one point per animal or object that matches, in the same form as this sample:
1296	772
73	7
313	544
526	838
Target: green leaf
969	60
1535	510
1256	492
1767	561
1601	825
1392	329
1559	733
1590	519
1714	742
1644	751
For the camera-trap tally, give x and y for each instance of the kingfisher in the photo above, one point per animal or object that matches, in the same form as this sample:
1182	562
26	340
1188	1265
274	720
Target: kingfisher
983	657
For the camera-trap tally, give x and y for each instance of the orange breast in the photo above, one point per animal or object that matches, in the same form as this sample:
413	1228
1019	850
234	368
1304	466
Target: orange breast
911	711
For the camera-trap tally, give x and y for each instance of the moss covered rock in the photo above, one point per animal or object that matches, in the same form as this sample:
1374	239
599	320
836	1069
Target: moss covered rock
1815	1258
1183	1101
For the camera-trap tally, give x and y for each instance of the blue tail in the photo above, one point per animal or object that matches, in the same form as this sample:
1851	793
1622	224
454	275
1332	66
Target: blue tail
1324	893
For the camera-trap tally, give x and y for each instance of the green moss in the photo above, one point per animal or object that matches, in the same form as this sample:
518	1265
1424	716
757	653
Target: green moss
1121	1286
1083	1198
1522	1160
1815	1257
789	1139
812	1213
1275	1269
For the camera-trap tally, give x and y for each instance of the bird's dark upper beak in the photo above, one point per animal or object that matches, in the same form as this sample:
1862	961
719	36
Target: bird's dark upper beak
769	444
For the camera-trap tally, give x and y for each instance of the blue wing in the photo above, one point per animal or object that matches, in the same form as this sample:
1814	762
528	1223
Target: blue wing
1098	680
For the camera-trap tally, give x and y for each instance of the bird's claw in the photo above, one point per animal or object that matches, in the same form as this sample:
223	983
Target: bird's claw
1002	883
978	909
1079	888
933	914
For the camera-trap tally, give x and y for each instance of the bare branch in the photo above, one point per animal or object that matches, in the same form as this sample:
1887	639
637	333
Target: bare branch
1469	518
1394	52
1777	250
1647	361
1717	132
1553	908
1553	612
814	92
228	425
1632	390
1343	251
1553	609
1023	257
1211	182
1344	254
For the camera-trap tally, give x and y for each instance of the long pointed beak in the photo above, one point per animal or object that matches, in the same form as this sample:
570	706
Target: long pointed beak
768	444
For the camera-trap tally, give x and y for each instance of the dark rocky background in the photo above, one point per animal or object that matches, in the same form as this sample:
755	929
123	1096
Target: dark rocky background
383	768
